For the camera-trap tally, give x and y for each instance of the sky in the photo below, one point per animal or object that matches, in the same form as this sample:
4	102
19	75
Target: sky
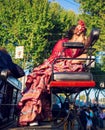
68	5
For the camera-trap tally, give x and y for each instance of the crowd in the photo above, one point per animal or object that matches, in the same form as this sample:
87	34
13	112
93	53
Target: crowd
91	117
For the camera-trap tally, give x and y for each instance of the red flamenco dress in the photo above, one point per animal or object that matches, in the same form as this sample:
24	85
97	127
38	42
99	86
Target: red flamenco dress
34	103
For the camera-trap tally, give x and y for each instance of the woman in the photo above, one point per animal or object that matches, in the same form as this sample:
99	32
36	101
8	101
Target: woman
35	105
89	116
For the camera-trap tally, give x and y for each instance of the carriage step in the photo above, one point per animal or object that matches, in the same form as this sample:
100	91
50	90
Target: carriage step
42	126
34	128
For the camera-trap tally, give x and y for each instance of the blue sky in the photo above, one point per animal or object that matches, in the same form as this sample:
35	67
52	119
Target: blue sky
68	4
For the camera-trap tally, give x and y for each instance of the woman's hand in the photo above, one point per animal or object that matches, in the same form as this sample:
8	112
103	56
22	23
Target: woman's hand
84	56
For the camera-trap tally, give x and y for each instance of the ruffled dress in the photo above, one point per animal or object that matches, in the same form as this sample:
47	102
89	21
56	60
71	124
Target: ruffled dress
35	101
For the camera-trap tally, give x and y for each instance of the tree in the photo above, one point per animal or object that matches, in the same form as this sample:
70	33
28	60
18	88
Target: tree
87	92
31	23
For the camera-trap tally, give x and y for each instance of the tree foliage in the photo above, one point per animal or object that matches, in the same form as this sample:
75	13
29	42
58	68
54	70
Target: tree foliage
33	24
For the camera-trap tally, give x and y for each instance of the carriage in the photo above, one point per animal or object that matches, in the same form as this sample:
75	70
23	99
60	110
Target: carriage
67	84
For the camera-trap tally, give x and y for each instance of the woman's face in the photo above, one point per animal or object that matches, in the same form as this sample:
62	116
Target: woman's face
80	38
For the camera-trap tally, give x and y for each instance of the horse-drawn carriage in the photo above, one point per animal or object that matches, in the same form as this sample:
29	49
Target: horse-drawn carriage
68	83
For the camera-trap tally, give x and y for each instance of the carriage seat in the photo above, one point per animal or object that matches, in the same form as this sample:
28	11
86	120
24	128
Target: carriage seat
78	76
70	80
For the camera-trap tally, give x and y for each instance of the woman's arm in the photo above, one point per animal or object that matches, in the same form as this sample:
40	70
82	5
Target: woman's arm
84	56
57	50
87	42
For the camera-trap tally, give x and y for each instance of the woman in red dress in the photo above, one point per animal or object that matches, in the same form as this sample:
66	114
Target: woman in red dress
34	104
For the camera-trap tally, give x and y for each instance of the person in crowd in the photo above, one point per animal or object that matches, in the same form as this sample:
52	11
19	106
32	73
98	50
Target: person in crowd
101	119
89	116
95	110
34	104
82	118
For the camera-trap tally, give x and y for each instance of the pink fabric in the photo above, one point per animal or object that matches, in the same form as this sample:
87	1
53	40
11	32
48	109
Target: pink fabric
35	104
